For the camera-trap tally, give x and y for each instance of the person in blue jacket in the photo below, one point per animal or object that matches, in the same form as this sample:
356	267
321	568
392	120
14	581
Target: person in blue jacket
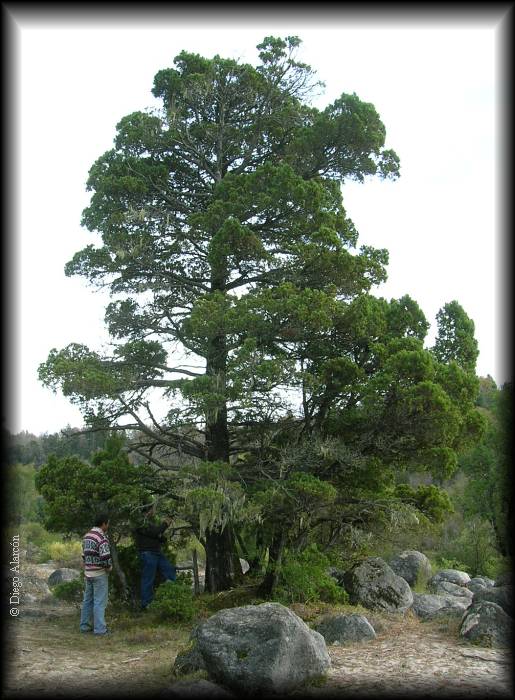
149	538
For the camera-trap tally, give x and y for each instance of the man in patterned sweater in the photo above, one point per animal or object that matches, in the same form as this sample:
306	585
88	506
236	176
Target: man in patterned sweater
96	556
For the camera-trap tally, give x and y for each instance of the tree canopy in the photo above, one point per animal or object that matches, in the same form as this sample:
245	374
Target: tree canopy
298	395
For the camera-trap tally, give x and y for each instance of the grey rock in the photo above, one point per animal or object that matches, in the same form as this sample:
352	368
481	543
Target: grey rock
488	582
258	649
62	575
428	606
195	689
373	584
477	584
504	579
502	595
447	588
460	578
36	586
487	624
345	629
190	659
412	566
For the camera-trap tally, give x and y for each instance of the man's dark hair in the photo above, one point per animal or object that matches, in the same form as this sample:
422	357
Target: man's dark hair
100	519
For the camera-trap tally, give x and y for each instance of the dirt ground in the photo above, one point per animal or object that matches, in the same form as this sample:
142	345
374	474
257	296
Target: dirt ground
47	656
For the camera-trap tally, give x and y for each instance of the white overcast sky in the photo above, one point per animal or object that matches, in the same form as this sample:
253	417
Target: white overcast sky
437	86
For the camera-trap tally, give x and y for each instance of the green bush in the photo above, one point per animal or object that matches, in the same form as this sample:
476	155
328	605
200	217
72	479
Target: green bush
173	600
451	563
304	578
70	591
472	549
64	553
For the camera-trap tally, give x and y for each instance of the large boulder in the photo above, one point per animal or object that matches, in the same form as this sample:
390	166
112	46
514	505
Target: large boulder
446	588
345	629
428	606
373	584
37	588
412	566
260	649
460	578
62	575
502	595
487	624
479	582
504	579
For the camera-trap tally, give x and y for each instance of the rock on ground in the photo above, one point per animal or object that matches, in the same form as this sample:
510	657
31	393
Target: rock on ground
412	566
478	583
504	579
190	659
345	629
460	578
62	575
486	623
373	584
258	649
428	606
502	595
447	588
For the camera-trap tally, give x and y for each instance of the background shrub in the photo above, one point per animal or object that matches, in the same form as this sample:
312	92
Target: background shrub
70	591
63	553
304	578
173	600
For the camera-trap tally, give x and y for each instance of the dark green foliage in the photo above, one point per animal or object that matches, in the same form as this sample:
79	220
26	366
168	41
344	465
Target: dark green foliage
70	591
174	601
75	490
488	466
431	501
304	578
455	339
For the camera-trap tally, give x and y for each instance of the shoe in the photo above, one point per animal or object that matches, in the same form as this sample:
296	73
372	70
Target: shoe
103	634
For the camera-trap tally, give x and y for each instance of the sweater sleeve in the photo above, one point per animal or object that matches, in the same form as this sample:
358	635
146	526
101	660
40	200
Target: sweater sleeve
104	553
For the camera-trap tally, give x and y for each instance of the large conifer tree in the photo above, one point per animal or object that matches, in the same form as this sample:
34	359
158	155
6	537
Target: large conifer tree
224	235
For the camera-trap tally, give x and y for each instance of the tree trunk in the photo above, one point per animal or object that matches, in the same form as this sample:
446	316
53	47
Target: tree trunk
119	571
220	552
220	545
273	570
196	582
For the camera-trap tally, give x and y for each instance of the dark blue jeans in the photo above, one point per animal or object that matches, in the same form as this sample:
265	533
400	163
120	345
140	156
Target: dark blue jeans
150	563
